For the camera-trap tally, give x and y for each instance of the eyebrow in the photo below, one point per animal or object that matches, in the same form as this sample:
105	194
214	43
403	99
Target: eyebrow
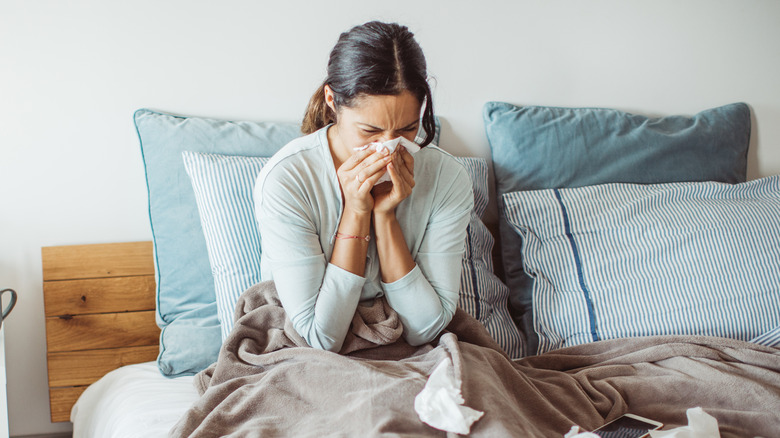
381	129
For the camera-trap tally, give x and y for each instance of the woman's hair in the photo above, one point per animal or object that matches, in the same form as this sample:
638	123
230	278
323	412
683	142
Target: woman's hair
370	60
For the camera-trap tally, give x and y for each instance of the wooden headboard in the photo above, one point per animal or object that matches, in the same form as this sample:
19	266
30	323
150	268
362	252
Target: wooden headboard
99	302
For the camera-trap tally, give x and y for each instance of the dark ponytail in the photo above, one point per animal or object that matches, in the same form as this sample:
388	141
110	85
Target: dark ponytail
369	60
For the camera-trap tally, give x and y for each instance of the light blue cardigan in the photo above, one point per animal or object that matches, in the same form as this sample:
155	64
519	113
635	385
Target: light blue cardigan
298	205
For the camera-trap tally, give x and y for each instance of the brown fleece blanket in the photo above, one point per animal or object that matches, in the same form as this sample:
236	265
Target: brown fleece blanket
268	382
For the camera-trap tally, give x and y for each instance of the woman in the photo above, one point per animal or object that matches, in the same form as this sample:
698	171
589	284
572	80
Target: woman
330	237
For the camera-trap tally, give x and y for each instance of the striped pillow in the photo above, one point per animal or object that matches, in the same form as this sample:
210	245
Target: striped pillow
623	260
769	339
223	188
482	294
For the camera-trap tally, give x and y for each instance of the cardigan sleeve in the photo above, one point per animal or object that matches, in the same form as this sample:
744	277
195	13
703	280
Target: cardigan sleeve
427	296
320	298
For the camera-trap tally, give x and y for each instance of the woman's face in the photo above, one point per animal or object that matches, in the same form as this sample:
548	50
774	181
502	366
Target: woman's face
375	119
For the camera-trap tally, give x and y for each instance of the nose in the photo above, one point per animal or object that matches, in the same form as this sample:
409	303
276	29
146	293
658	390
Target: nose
386	136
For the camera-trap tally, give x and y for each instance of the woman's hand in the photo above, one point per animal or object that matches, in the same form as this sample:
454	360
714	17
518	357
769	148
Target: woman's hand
401	170
357	176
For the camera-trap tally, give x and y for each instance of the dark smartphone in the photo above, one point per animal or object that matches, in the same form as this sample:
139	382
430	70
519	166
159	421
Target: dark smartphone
628	426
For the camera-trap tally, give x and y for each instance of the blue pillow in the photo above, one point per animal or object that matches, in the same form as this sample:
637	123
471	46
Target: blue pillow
186	301
536	147
624	260
482	294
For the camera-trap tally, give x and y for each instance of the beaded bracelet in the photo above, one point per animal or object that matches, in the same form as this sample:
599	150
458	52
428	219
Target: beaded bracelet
349	236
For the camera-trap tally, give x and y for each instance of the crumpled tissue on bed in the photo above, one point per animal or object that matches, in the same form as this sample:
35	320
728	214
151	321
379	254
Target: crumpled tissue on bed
577	432
391	146
440	403
700	425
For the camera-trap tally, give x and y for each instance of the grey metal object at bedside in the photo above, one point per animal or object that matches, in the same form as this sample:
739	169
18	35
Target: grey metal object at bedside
3	400
10	306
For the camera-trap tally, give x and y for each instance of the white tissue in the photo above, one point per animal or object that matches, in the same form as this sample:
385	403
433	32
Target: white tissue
576	432
700	425
391	146
440	403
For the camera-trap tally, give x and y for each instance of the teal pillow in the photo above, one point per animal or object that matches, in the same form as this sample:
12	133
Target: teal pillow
537	147
186	302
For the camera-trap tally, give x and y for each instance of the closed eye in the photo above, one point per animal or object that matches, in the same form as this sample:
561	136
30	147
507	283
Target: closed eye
375	131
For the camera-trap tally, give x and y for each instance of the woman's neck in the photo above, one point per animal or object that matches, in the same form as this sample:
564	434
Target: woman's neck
337	149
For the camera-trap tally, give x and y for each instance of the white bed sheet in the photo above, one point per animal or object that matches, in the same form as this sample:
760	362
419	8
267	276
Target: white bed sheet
133	401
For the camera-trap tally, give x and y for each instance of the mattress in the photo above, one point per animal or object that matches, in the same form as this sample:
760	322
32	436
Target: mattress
132	401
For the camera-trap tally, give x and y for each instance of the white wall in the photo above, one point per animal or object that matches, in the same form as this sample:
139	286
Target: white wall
72	73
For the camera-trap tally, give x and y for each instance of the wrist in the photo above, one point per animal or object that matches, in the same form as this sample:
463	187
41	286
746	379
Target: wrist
358	212
343	236
384	216
355	215
355	223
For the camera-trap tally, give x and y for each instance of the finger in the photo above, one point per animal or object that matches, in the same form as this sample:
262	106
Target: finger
403	169
405	173
372	158
408	160
371	168
400	185
368	184
364	185
357	158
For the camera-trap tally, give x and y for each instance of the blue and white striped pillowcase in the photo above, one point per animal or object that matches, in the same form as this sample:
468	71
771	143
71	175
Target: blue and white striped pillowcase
624	260
769	339
482	294
223	188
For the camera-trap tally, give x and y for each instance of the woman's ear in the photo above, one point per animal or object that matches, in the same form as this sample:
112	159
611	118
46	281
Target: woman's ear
330	99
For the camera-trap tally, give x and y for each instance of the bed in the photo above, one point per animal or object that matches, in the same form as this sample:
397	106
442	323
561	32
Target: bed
660	321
